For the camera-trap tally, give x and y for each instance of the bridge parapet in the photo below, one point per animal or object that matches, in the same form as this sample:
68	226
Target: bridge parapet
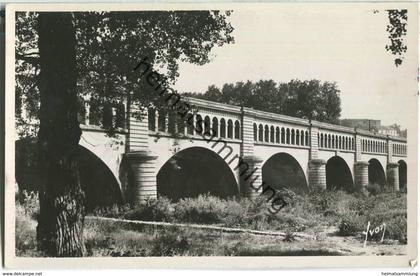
228	121
225	125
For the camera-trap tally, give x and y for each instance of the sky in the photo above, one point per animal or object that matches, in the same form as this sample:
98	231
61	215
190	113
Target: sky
330	42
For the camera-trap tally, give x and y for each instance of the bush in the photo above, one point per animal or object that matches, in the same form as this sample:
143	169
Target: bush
288	196
25	234
30	203
361	205
161	209
325	200
351	225
203	209
26	212
114	211
311	212
374	189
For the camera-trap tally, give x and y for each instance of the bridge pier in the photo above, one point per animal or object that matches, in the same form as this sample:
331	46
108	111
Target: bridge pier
393	176
251	181
317	175
143	166
361	174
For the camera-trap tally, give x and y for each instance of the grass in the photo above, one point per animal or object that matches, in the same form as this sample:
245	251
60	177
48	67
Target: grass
312	214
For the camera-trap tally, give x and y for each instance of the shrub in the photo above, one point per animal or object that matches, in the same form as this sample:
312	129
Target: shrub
374	189
351	224
288	196
290	236
114	211
361	205
203	209
235	213
161	209
25	236
30	203
323	201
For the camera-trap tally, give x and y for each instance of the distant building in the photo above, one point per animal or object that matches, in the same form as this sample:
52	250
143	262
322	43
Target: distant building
387	130
374	126
367	124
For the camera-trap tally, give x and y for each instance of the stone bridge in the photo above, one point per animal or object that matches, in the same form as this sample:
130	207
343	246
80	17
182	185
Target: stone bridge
248	143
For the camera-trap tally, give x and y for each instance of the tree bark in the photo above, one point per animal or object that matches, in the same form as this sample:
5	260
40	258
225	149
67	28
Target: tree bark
61	218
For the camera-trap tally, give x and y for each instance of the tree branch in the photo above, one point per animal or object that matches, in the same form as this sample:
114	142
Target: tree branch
28	58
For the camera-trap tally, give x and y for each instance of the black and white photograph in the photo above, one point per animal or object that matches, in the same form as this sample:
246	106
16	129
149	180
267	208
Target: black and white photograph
242	131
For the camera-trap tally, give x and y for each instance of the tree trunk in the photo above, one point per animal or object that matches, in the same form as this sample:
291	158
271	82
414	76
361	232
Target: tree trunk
61	218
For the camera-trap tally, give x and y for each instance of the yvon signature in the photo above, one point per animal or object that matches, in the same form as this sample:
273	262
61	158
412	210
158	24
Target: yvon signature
371	233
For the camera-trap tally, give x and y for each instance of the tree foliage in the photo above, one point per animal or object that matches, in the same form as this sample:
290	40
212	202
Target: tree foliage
397	29
62	57
110	44
304	99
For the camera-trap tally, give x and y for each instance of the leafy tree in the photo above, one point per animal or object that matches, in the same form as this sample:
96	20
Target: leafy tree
313	100
304	99
60	222
110	44
62	56
397	29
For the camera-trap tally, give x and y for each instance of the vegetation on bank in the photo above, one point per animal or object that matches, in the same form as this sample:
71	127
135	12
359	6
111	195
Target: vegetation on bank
329	213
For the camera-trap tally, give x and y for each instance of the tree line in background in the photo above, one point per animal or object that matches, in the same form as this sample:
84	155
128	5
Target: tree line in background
310	99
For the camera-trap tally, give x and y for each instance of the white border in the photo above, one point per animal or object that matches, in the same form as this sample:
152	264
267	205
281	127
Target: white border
182	262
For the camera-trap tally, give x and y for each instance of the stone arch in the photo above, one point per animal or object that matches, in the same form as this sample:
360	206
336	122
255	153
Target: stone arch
222	128
298	137
199	124
376	172
237	130
260	133
190	172
282	170
161	120
151	114
302	137
215	127
207	124
99	182
266	133
338	174
230	129
190	124
277	135
402	172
